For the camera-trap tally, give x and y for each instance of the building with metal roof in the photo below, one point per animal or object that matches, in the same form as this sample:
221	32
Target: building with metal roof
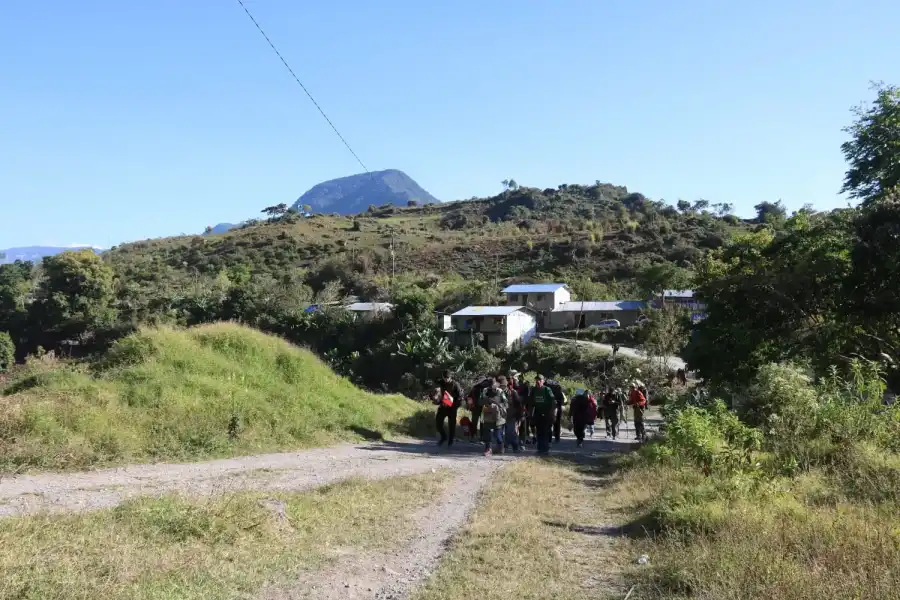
493	326
678	294
489	311
601	306
533	288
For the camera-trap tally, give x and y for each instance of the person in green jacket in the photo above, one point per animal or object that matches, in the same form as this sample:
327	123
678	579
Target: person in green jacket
543	403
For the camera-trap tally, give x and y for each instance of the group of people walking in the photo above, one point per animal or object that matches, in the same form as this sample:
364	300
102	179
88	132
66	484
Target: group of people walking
507	411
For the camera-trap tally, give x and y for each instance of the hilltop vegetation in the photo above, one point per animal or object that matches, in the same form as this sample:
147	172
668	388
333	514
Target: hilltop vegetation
600	235
185	394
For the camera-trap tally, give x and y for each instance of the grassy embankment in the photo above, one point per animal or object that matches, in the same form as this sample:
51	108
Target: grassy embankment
723	511
166	394
216	548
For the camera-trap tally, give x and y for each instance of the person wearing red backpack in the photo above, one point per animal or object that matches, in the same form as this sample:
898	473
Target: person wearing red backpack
638	401
450	397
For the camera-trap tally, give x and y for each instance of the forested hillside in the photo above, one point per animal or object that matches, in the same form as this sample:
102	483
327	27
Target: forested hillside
599	232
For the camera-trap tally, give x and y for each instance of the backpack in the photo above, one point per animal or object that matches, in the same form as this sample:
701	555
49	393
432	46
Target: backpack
557	391
475	392
446	399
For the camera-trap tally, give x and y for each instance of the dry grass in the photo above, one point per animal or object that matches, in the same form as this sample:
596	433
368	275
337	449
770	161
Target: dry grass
226	547
536	533
799	539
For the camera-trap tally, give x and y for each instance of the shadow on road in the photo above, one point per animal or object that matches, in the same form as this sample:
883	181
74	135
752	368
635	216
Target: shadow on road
596	454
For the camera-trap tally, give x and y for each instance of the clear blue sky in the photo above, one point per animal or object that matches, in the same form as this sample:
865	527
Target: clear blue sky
128	120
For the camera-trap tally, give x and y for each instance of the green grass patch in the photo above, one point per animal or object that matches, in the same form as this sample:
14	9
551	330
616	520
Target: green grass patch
169	394
225	547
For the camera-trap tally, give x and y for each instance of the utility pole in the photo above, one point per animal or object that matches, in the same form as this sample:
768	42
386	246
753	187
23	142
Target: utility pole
393	264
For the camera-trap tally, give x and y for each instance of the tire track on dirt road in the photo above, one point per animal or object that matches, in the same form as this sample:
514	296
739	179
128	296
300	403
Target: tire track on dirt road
289	471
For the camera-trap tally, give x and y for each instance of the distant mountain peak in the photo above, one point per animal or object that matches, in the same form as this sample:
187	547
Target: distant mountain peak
36	253
355	193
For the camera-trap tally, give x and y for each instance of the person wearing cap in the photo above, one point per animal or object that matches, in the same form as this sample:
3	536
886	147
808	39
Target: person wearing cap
612	408
543	404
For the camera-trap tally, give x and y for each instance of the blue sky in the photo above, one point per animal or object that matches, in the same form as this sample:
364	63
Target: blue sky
122	121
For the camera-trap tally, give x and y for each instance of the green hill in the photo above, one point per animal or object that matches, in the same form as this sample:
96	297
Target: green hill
602	232
171	394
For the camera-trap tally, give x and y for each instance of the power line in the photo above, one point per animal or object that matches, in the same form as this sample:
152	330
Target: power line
297	79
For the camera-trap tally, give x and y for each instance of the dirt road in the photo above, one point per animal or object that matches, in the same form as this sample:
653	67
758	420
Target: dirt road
392	575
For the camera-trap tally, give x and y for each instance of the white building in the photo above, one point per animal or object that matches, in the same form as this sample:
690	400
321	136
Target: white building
499	326
542	298
537	296
370	310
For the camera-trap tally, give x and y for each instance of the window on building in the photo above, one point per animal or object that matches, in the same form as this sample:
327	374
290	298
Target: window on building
513	297
539	298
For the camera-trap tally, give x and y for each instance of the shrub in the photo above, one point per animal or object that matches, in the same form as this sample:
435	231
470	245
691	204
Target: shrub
7	352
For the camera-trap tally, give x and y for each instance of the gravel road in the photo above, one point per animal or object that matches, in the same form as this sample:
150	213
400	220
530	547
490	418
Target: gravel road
389	576
673	362
67	492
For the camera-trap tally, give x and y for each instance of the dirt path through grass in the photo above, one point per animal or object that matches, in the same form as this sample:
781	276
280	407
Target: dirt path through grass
292	471
394	575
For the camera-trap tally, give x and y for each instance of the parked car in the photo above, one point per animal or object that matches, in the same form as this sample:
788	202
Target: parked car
607	324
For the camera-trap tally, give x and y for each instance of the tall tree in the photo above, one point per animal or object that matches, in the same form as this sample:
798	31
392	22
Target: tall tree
275	212
15	286
653	279
74	299
873	152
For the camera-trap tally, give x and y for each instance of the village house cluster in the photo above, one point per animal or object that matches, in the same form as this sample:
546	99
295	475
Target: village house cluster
539	307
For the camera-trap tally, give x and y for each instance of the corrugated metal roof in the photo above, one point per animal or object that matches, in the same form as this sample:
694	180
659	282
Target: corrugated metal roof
527	288
370	306
605	306
487	311
678	293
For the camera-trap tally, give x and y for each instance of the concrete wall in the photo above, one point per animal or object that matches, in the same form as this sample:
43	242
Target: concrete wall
539	300
521	327
564	320
481	323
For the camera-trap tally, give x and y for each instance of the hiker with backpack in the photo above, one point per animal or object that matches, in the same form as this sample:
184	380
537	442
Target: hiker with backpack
561	401
613	407
580	413
525	427
514	415
450	397
543	406
473	400
494	408
638	401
